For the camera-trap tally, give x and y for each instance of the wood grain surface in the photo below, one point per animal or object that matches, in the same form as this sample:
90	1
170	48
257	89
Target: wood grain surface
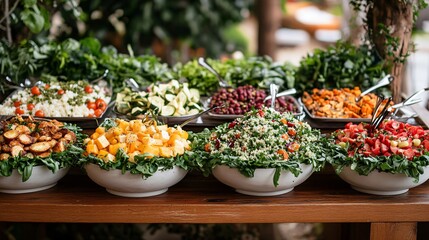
198	199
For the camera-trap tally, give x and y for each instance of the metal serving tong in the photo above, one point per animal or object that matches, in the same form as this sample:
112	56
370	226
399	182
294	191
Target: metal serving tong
284	93
411	100
200	114
383	82
378	118
101	78
28	83
135	87
222	82
273	93
377	115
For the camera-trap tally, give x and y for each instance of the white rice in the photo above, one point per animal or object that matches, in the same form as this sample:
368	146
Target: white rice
57	107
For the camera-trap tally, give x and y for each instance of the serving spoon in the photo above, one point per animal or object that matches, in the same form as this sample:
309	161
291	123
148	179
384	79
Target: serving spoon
383	82
222	83
284	93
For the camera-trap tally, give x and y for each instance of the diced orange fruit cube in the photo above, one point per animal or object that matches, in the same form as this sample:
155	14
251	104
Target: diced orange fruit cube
102	142
183	134
165	152
145	140
95	135
157	135
92	149
124	125
156	142
100	130
173	138
117	131
151	149
102	153
178	150
134	146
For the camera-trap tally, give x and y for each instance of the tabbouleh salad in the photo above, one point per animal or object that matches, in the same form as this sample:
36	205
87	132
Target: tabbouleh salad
263	138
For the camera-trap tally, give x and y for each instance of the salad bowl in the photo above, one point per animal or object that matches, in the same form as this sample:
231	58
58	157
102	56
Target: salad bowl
133	185
36	153
41	179
261	184
382	183
263	153
388	160
136	158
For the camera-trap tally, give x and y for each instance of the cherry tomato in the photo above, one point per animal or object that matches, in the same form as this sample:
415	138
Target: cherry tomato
232	124
293	147
98	112
60	92
30	106
47	86
91	105
101	104
35	90
291	131
409	153
17	103
88	89
19	111
39	113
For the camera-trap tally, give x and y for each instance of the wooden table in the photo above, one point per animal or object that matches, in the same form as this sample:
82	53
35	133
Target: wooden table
197	199
324	198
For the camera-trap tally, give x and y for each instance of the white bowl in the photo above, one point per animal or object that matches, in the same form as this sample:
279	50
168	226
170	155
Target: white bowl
381	183
41	178
133	185
261	184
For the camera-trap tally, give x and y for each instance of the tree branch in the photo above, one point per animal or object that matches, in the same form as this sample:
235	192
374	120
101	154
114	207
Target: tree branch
6	12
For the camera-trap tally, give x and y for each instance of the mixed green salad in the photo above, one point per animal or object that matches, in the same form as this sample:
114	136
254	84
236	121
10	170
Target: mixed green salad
263	138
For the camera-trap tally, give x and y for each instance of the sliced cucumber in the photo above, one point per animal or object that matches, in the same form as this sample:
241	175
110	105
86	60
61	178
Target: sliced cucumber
175	84
127	98
120	97
163	87
186	91
194	105
182	111
154	89
136	111
193	111
142	94
170	97
142	103
123	107
181	98
166	99
195	95
168	110
156	101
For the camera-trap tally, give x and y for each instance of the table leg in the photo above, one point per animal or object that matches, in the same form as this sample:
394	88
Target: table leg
394	231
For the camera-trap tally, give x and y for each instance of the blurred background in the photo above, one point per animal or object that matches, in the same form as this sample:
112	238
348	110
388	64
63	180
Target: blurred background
176	32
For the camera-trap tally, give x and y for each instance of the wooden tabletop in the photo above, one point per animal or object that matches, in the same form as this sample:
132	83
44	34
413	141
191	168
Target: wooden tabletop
198	199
